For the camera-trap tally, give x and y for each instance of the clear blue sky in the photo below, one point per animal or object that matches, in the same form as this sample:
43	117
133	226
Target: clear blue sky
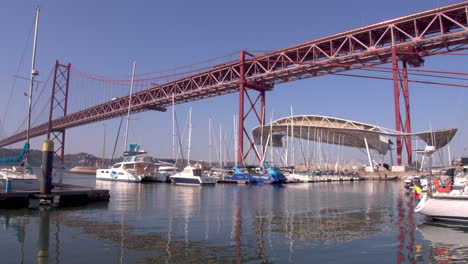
104	37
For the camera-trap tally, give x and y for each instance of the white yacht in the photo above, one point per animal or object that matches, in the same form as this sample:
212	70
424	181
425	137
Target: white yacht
447	197
192	176
163	172
134	168
295	177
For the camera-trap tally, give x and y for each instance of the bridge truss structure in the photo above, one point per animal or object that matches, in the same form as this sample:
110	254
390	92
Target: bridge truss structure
402	41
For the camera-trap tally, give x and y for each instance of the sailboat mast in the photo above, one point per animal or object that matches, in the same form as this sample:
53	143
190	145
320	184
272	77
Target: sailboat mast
173	128
235	137
293	148
209	141
190	136
129	105
220	147
34	73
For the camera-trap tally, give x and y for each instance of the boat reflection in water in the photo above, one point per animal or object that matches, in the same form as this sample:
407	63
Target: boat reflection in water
162	223
448	243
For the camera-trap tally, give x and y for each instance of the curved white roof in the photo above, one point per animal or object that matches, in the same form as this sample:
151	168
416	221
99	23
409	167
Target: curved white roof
342	132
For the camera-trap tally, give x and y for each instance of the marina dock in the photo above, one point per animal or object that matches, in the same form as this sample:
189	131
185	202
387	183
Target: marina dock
26	194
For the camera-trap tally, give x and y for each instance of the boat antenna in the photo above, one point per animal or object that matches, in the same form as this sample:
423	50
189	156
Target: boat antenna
129	105
34	73
209	141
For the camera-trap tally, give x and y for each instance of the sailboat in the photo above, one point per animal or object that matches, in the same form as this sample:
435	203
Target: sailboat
192	175
24	172
447	194
134	168
165	169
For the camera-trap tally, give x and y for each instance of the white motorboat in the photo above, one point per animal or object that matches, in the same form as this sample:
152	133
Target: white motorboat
134	168
163	172
192	176
195	175
447	197
295	177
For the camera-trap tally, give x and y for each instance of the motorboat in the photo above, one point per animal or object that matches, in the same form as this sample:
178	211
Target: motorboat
292	177
163	172
296	177
134	168
447	196
264	175
192	175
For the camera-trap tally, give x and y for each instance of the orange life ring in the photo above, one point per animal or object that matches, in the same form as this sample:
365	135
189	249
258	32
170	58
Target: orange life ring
442	188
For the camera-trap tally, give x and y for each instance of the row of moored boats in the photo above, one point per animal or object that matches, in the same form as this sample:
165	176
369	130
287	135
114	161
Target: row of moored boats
136	167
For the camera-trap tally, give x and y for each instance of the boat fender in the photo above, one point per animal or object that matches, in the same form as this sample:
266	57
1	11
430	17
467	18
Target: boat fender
441	187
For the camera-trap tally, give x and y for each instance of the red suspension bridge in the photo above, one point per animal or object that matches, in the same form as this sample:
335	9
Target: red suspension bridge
398	42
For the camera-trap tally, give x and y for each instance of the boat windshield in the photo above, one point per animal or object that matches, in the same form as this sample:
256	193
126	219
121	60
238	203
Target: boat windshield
116	166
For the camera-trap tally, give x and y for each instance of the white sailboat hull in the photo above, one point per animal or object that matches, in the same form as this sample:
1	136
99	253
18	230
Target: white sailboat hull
16	175
448	207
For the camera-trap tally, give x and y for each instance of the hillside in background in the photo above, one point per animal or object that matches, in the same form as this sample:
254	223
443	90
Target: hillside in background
85	159
71	160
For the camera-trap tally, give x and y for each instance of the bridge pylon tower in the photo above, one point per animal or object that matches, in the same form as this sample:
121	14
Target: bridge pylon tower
255	106
407	55
58	106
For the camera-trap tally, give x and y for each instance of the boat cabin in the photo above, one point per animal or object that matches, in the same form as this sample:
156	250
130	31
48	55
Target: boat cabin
139	167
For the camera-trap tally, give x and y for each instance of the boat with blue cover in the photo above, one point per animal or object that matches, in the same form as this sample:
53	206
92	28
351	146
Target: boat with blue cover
264	175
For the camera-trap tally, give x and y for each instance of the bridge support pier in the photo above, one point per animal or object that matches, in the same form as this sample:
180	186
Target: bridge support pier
400	86
58	106
245	88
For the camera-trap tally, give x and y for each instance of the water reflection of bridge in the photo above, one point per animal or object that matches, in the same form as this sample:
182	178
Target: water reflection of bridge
242	224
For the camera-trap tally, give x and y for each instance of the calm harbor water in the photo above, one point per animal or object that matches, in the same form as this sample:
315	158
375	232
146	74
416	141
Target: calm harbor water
360	222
